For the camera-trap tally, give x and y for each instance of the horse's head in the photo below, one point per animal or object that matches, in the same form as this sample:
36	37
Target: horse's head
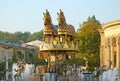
46	17
61	18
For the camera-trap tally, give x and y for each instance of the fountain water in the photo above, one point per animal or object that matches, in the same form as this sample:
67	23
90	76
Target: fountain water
24	74
110	75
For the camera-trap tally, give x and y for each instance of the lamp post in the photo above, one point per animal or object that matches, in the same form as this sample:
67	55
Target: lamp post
6	55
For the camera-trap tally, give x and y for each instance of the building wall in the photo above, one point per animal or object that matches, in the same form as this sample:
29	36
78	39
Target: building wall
19	52
3	54
11	52
110	44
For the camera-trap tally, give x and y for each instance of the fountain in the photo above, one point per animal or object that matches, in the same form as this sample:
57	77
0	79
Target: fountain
22	71
110	75
57	47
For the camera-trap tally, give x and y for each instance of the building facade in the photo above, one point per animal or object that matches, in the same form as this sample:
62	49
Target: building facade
11	50
32	49
110	44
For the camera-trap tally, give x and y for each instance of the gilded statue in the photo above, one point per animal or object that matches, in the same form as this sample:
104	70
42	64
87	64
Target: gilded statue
47	20
61	18
63	25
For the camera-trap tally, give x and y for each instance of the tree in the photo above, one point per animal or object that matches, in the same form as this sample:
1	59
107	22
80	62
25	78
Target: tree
88	39
21	36
36	35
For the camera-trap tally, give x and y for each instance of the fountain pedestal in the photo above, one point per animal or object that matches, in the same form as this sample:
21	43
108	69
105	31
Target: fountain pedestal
49	77
87	76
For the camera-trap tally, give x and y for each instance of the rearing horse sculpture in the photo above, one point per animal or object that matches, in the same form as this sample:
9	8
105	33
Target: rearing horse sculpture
47	21
63	25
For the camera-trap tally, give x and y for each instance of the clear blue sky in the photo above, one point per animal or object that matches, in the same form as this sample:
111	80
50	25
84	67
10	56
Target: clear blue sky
26	15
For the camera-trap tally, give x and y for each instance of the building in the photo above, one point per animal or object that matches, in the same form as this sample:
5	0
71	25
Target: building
12	50
110	44
32	48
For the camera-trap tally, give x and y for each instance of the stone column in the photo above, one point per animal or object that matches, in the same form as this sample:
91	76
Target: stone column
112	60
118	57
109	52
105	55
101	56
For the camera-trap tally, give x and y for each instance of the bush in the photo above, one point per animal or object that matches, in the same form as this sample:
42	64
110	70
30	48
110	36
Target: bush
2	66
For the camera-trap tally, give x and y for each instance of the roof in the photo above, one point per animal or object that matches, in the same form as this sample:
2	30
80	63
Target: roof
33	43
111	24
9	43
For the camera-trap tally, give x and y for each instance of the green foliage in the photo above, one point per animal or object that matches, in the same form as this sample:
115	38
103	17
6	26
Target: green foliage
37	61
22	36
88	39
75	61
36	35
40	62
10	63
17	36
15	58
2	66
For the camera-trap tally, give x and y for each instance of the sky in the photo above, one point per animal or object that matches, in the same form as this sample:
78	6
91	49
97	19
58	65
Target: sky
27	15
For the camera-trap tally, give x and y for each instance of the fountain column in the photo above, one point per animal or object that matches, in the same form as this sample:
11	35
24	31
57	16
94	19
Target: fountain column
49	64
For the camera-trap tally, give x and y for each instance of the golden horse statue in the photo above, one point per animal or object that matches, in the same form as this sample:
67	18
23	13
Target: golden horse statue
48	21
62	23
61	19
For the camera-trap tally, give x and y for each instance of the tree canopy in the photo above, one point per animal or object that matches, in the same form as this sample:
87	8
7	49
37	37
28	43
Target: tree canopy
23	36
88	39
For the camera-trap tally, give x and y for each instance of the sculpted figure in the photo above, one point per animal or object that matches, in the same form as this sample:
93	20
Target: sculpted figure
19	70
61	18
46	17
47	20
63	25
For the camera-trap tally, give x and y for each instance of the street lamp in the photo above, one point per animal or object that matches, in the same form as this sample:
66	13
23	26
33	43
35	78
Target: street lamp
6	55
